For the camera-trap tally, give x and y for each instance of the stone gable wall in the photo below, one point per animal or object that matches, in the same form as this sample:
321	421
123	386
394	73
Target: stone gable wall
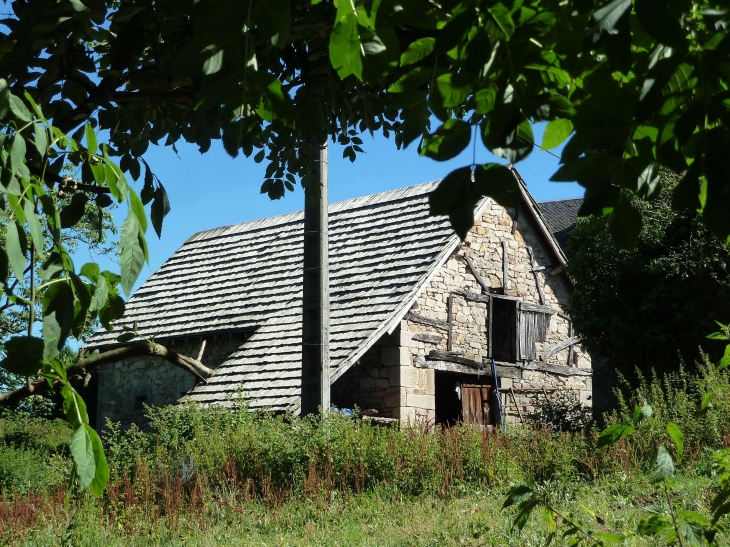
121	383
387	379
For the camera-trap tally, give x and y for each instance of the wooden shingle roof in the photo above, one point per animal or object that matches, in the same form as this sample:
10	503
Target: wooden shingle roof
248	276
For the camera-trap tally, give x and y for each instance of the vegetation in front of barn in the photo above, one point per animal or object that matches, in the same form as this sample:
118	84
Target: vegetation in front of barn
210	475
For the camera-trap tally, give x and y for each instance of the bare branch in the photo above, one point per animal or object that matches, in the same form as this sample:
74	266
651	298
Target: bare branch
196	368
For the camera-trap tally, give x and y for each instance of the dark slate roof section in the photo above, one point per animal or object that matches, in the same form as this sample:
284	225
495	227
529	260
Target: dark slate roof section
560	216
382	249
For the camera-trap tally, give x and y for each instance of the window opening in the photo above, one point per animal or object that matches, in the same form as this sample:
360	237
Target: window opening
503	327
139	401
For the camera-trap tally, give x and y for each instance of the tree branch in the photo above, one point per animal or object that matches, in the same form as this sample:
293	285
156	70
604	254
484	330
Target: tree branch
196	368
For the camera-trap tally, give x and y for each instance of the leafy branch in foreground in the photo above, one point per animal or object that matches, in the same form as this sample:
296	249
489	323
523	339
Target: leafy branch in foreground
672	525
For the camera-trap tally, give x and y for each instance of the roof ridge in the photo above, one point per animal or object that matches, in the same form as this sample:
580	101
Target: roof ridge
558	200
335	207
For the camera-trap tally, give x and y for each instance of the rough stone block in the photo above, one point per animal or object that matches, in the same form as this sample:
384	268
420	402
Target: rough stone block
421	401
409	377
390	357
395	397
505	383
406	415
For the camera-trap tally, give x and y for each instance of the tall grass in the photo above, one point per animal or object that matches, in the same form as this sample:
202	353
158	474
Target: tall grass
194	464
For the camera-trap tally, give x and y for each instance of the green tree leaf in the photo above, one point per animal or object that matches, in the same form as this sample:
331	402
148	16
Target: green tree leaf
411	80
16	246
456	196
82	452
34	223
23	355
503	18
41	139
131	252
91	143
19	110
448	141
344	43
556	132
58	317
138	209
608	16
160	208
72	213
499	183
417	50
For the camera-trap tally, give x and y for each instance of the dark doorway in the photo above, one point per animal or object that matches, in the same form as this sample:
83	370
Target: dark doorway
504	329
450	398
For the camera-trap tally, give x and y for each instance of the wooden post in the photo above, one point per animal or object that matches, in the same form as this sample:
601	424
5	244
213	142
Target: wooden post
570	351
505	268
450	311
514	398
536	273
315	291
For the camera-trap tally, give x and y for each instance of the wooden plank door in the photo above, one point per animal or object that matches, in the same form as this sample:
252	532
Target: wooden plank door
475	404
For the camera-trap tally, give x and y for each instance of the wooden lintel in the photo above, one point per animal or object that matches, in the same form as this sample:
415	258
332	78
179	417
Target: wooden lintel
454	358
557	270
473	296
538	269
486	286
423	320
529	306
502	367
562	345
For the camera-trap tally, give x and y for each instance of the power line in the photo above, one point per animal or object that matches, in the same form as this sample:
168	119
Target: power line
548	151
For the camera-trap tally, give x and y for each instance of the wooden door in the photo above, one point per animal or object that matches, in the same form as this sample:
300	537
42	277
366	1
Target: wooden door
475	404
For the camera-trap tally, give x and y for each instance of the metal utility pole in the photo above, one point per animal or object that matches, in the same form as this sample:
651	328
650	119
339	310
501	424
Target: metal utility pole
315	292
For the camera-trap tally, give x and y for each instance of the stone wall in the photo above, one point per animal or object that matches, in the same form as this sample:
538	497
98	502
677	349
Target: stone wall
125	386
470	321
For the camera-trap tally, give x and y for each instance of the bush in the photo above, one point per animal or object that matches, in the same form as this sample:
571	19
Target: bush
677	397
33	454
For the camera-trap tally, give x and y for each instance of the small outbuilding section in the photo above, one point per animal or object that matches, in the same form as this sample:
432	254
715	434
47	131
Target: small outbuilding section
423	326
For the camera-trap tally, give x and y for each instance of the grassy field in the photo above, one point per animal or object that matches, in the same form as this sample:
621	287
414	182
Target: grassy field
373	519
219	477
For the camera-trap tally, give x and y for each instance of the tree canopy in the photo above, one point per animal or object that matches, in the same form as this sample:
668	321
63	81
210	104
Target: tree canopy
628	86
650	308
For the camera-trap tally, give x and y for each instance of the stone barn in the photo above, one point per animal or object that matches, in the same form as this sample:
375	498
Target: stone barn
420	321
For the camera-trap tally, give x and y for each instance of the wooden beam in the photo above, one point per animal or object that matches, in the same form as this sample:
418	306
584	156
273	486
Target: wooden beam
473	296
536	275
514	398
450	312
562	345
570	351
454	358
82	366
505	266
202	350
490	318
423	320
429	338
485	286
529	306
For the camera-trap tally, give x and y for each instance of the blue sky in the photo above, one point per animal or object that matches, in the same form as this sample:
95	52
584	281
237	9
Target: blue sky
212	189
